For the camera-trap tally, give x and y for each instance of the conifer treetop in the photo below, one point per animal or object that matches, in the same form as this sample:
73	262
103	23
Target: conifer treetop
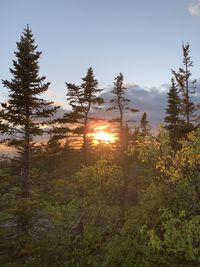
25	110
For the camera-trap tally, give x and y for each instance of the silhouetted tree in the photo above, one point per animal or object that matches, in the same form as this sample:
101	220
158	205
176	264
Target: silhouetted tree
144	125
174	124
25	112
82	100
121	104
186	88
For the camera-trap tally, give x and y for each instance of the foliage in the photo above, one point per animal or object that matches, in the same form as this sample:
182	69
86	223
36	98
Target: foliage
180	237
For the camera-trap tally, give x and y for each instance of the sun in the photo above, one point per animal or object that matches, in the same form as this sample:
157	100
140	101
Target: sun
102	134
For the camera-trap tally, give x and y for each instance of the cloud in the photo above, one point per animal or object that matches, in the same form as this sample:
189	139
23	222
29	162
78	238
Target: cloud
194	9
151	100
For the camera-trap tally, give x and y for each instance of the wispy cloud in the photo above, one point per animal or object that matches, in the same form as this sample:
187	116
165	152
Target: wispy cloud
194	9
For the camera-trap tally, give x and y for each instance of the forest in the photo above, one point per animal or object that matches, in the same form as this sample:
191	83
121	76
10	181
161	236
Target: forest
79	190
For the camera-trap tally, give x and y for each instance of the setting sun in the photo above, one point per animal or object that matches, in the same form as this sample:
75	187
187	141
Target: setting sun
103	134
104	137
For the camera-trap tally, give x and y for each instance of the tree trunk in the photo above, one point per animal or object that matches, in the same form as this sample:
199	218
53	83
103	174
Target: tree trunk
24	215
26	167
187	108
85	147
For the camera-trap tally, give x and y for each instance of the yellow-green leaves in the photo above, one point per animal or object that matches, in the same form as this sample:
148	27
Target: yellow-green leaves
103	176
180	235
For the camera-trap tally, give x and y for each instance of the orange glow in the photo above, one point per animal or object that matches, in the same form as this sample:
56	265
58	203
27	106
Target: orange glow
102	134
104	137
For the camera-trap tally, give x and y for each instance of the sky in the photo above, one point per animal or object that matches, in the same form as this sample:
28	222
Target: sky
140	38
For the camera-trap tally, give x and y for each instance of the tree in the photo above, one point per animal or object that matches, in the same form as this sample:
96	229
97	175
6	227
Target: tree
82	100
172	118
144	125
25	112
186	88
121	104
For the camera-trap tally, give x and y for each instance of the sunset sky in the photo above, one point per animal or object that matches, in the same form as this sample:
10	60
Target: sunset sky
140	38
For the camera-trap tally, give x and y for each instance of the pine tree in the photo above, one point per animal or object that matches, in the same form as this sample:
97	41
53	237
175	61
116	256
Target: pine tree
82	100
144	125
174	123
121	104
186	88
25	112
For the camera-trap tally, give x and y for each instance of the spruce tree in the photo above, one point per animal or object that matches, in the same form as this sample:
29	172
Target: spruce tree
174	124
121	104
25	112
186	87
83	99
144	125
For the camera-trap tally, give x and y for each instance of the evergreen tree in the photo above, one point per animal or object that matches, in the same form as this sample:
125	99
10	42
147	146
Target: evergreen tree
144	125
82	100
174	123
186	88
25	112
121	104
